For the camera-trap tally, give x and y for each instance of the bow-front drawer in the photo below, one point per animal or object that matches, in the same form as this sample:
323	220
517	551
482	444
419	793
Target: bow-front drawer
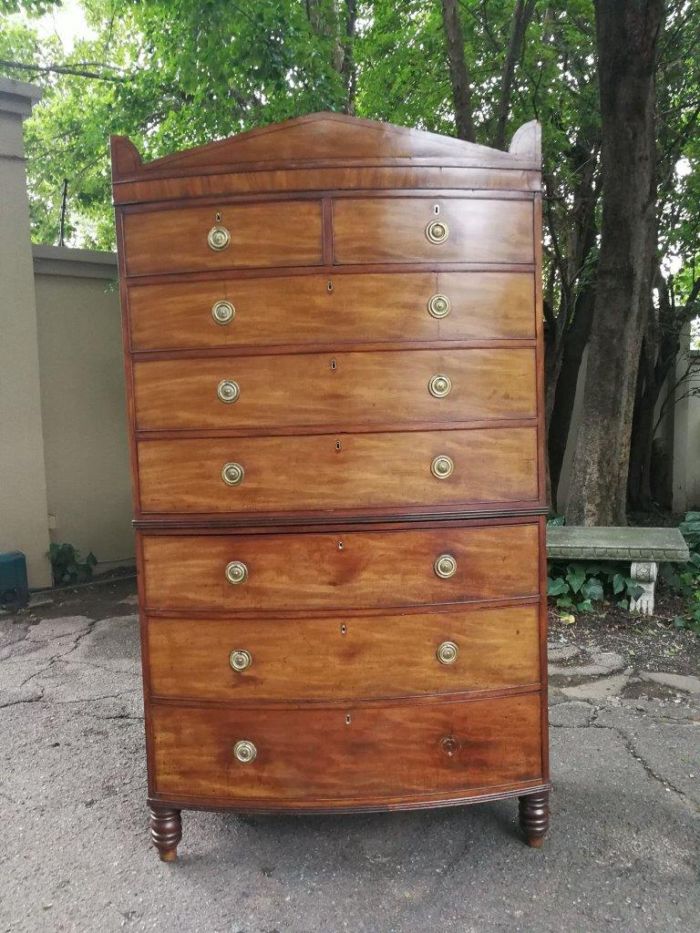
233	236
344	471
367	230
392	388
332	309
353	570
346	756
450	651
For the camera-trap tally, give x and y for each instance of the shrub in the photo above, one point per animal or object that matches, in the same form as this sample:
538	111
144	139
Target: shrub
67	565
580	584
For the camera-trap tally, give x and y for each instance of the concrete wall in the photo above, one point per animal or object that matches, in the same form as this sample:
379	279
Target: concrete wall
686	436
83	402
23	508
679	430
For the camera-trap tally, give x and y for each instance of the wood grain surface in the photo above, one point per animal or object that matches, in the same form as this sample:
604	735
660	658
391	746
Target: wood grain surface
389	387
339	471
344	657
284	233
332	309
342	571
357	754
393	230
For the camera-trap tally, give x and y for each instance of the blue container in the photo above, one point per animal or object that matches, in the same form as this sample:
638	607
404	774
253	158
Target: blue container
14	589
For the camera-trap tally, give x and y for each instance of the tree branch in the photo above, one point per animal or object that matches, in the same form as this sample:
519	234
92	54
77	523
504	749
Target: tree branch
459	74
521	19
62	70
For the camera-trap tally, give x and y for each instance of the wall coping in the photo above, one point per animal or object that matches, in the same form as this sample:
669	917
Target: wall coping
77	263
18	96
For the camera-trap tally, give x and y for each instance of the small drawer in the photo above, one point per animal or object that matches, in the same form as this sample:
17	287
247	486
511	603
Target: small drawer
231	236
335	309
450	651
353	570
367	230
444	469
350	756
307	390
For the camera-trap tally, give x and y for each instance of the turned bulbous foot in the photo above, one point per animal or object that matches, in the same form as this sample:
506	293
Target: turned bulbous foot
533	812
166	831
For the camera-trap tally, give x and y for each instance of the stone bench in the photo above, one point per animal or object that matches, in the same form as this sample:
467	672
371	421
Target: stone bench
643	548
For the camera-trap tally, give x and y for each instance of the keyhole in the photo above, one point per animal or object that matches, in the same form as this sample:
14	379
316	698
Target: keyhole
218	217
338	445
343	629
348	719
340	545
330	286
436	209
334	365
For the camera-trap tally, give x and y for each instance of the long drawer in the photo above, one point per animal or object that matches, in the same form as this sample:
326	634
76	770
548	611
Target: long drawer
282	233
313	389
347	756
450	651
400	229
344	471
336	309
353	570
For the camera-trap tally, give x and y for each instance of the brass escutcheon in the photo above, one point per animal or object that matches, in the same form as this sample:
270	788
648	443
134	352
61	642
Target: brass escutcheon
236	572
240	659
437	231
449	745
245	751
442	466
223	311
228	390
232	474
439	306
447	652
440	385
218	238
445	566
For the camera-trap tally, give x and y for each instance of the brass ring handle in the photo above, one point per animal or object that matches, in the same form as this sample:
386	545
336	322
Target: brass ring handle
223	311
236	572
437	231
447	652
245	751
440	385
232	474
442	466
218	238
240	659
445	566
228	391
439	306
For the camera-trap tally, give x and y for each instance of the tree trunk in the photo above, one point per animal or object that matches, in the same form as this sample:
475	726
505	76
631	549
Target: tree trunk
639	478
627	34
521	19
459	73
348	70
575	341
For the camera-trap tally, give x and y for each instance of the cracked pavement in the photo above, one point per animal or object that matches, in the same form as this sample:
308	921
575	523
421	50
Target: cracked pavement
622	851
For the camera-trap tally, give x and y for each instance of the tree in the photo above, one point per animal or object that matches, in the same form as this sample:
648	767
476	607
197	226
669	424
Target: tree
169	77
627	39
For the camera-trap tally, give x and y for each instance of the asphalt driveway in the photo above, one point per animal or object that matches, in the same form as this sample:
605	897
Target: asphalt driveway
622	852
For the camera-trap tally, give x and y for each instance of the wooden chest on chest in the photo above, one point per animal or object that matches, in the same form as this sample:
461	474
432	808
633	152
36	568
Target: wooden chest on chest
332	334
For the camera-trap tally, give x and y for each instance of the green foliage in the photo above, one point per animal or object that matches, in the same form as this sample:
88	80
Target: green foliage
685	578
579	585
67	565
177	73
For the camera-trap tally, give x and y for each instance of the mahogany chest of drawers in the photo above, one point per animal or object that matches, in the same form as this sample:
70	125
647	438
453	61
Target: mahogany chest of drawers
332	334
